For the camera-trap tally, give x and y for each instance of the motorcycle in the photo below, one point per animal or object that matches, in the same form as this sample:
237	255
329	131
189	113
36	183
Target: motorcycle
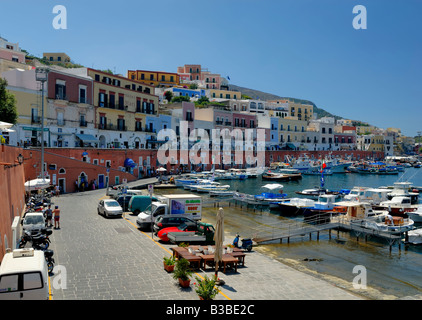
40	240
48	254
246	243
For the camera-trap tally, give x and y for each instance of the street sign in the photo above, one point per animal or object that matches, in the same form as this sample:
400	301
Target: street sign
150	188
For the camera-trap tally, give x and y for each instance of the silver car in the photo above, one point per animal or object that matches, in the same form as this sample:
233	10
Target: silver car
109	207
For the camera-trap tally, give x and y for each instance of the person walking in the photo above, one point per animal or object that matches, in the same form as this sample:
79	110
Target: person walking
49	216
56	217
57	190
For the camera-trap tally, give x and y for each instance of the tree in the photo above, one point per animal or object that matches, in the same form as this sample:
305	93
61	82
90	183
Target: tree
180	99
193	86
202	101
168	95
8	112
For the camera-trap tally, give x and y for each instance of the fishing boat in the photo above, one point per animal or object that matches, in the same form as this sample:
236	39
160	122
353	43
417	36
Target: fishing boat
320	211
316	171
390	224
294	206
281	176
248	199
315	193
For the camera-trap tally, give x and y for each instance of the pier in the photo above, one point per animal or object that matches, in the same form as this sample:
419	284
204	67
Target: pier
295	229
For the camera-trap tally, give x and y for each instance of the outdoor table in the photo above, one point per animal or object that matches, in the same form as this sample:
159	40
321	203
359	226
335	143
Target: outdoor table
207	259
229	260
192	258
240	256
177	251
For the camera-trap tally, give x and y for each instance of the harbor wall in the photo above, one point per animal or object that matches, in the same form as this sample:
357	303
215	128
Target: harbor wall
12	198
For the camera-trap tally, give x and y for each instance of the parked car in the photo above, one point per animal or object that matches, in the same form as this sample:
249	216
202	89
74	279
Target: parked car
137	204
124	200
162	234
165	222
33	221
109	207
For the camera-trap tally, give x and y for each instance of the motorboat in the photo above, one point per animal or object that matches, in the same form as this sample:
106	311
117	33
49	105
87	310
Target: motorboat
321	208
248	199
402	189
212	187
357	212
416	215
274	176
414	236
294	206
390	224
398	205
315	193
315	172
221	193
271	197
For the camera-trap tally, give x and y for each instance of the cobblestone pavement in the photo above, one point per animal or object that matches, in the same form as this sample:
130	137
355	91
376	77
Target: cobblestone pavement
112	259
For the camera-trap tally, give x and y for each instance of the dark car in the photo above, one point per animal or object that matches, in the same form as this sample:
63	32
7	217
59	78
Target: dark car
170	221
124	201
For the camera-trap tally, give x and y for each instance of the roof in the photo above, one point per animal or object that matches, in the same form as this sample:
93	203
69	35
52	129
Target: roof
11	265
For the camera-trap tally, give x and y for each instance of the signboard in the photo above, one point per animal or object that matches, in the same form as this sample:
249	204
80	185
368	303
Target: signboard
185	206
150	188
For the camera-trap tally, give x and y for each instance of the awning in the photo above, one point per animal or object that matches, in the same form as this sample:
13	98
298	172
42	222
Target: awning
291	146
129	163
87	138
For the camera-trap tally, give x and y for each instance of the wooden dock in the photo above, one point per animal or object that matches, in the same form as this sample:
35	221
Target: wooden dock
294	229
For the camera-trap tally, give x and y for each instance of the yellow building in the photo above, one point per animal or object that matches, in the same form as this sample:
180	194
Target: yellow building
223	94
121	104
56	57
155	78
28	97
301	111
292	130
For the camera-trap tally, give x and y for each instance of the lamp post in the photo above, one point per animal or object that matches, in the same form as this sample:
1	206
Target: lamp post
41	74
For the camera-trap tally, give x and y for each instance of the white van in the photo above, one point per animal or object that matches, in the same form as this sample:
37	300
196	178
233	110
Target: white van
24	275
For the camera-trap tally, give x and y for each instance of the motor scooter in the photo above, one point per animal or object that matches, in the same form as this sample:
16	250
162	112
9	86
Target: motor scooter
246	243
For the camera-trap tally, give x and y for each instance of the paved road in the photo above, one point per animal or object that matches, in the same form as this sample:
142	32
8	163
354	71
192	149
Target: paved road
112	259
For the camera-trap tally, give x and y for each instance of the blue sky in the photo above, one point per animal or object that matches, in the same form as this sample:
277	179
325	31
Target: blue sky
296	48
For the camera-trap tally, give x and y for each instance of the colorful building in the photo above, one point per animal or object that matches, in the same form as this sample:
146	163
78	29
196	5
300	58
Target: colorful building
155	78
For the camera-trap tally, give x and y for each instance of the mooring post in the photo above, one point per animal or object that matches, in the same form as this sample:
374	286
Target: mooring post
318	235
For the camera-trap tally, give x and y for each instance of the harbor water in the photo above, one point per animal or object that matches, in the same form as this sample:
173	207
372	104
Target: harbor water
390	274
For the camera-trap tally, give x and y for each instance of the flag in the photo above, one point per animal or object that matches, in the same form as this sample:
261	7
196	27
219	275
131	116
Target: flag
228	78
323	165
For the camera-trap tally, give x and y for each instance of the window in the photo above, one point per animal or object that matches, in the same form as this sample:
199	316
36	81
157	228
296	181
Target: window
102	100
9	283
34	115
60	92
82	94
32	281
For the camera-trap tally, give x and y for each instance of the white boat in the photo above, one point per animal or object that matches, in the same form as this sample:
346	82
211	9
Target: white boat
390	224
414	236
215	193
295	206
416	215
401	189
208	188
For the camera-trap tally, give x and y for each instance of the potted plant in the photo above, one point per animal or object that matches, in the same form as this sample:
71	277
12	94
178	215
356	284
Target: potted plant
205	288
182	272
169	263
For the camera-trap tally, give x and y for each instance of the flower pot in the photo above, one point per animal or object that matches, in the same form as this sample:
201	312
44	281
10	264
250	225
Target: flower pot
184	283
168	268
201	298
